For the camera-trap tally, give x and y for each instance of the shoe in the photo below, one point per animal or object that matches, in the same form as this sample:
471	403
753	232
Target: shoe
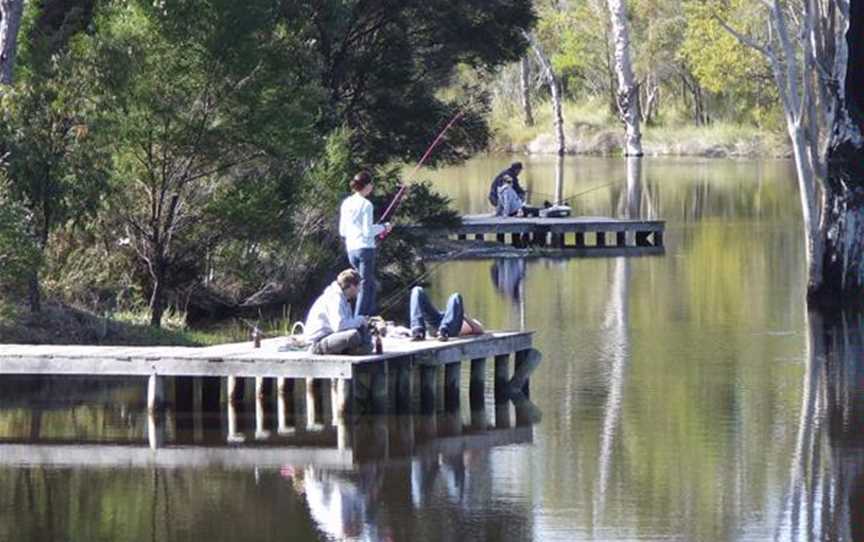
443	336
418	335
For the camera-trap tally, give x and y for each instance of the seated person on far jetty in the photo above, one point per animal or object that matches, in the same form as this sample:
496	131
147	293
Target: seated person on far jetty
511	173
509	202
451	323
331	326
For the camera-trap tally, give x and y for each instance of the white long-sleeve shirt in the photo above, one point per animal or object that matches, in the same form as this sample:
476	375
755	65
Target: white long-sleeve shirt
330	313
355	223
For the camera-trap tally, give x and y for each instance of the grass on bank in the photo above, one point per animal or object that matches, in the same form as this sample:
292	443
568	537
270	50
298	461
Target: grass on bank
62	324
590	128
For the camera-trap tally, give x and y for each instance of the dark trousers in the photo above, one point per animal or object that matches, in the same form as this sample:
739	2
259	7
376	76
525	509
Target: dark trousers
363	260
424	313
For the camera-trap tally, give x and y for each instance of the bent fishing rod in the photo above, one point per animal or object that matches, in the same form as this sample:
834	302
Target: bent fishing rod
397	199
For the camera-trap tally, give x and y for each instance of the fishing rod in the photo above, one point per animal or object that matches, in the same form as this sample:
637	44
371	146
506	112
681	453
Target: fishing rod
397	199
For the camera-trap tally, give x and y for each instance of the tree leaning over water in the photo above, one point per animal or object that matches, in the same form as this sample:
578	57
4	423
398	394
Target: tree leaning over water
816	52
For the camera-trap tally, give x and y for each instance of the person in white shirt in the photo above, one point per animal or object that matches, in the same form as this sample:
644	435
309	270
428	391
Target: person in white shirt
331	327
357	227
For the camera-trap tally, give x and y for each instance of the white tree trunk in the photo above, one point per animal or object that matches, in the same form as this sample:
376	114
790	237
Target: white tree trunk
10	21
628	90
525	87
555	89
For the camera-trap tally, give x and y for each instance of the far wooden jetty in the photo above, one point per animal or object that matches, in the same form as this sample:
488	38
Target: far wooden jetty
373	383
584	234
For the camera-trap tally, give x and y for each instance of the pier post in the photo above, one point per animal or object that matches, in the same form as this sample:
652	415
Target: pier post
404	385
311	406
282	402
452	372
342	394
503	419
477	384
234	389
261	432
502	376
580	239
234	435
155	430
260	386
601	238
378	385
558	240
428	385
155	392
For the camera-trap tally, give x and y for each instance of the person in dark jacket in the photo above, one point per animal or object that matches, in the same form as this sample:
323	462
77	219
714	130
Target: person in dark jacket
511	172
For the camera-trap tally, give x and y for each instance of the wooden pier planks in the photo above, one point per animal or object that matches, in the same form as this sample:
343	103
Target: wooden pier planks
242	359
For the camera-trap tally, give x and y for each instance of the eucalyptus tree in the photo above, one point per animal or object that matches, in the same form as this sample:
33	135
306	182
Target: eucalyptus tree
197	96
11	12
816	53
628	90
554	83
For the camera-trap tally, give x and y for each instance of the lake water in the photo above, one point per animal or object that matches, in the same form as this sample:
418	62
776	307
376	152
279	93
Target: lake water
687	396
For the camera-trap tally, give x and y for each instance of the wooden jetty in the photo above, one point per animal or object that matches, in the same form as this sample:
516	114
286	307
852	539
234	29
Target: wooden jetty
374	383
575	233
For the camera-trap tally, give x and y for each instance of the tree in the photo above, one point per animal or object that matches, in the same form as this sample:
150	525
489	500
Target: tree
554	84
18	254
383	61
525	88
628	90
197	96
820	87
10	22
54	165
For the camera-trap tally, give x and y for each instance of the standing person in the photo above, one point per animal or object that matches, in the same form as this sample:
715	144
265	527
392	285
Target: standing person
511	172
357	227
330	326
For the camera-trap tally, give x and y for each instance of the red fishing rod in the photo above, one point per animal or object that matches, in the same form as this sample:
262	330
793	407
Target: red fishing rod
397	199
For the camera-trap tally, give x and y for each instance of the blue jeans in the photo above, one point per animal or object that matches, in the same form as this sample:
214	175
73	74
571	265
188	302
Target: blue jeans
424	313
363	260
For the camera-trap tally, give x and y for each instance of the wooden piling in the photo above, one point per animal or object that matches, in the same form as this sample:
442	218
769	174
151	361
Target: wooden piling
601	238
311	403
234	386
428	385
477	383
502	376
155	392
452	373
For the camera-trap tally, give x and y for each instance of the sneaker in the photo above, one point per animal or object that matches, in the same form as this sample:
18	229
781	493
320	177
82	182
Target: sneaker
418	335
443	336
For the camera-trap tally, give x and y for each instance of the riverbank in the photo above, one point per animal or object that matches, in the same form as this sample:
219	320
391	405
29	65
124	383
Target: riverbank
590	130
64	324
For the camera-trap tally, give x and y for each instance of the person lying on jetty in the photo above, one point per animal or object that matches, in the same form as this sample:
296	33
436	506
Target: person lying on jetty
331	327
511	173
451	323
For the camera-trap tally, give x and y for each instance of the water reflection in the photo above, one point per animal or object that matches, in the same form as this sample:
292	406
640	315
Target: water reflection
825	495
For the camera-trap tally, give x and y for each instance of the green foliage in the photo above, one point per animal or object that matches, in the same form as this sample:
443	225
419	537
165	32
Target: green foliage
18	252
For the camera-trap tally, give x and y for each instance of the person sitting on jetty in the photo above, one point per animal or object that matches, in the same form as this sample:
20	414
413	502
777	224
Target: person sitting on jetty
509	202
511	173
451	323
331	326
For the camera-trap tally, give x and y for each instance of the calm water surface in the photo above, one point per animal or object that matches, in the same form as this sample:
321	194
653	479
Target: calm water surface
687	396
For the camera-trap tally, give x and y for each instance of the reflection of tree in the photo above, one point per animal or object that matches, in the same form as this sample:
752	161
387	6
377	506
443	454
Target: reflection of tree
824	500
617	345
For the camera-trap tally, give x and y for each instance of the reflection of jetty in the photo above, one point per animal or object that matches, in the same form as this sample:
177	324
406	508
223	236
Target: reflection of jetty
364	380
576	233
375	440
